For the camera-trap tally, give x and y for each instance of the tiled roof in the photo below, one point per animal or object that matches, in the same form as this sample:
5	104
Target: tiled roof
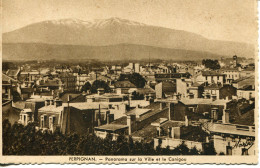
213	86
247	87
187	101
244	79
27	90
121	120
196	84
145	91
50	83
211	73
124	84
12	72
6	78
148	133
111	127
138	111
51	108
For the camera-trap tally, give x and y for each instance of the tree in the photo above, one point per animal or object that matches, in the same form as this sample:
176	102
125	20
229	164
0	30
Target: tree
209	149
86	87
137	96
26	140
99	84
134	78
211	64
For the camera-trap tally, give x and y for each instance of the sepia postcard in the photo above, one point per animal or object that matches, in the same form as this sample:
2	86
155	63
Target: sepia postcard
129	81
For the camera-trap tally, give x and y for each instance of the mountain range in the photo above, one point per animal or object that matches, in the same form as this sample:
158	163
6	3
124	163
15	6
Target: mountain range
113	38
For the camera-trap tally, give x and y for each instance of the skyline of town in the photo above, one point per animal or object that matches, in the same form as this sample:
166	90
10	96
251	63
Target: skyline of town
163	105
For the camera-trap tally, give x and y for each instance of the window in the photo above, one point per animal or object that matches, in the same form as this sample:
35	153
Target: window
218	77
51	121
229	150
244	151
43	121
191	109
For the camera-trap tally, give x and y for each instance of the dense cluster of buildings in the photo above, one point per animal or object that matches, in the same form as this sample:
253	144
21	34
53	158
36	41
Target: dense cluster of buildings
179	103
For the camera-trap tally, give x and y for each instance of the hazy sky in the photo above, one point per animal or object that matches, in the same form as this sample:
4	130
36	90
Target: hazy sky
232	20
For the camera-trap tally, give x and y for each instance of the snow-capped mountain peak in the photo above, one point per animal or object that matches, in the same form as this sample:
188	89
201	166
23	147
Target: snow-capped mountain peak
97	23
69	21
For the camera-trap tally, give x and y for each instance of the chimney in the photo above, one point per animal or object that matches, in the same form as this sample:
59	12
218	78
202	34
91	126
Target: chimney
225	116
108	118
172	132
131	123
58	103
47	102
169	132
177	132
207	139
158	131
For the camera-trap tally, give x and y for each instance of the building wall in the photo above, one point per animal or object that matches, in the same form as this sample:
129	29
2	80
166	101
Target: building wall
46	123
69	83
177	111
247	94
103	134
249	81
34	106
221	144
118	111
194	92
181	87
77	121
214	79
173	143
231	75
158	91
213	92
10	113
246	73
149	120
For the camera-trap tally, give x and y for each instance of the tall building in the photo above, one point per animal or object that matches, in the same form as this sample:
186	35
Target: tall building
234	61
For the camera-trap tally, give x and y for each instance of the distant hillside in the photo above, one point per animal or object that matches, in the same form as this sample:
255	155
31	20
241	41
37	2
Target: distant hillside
116	31
29	51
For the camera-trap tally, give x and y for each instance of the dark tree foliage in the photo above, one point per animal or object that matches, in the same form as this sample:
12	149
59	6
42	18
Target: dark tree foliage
99	84
86	87
209	149
8	65
212	64
135	78
26	140
137	96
